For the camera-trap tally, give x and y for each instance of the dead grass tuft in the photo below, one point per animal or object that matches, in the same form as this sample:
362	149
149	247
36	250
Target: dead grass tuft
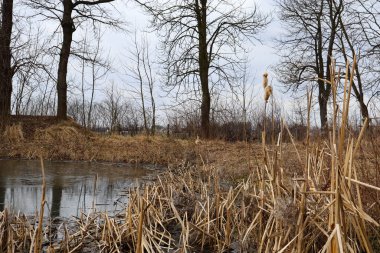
14	133
58	133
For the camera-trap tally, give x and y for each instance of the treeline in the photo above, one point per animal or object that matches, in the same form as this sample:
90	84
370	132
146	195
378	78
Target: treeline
52	63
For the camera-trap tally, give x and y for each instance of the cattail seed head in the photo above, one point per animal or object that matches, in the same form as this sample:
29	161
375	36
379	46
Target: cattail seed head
268	93
265	80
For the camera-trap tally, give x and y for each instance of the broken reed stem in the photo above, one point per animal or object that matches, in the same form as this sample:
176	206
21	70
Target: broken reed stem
361	135
333	216
273	138
301	217
38	243
309	101
139	246
346	103
363	184
263	135
294	144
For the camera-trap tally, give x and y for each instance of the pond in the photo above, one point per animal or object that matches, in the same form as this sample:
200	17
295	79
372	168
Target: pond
71	187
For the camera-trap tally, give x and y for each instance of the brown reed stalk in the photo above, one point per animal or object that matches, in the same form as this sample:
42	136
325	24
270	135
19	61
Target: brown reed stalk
346	103
139	246
333	216
302	215
38	238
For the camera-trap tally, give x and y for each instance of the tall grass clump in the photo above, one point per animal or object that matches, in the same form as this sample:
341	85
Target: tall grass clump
13	133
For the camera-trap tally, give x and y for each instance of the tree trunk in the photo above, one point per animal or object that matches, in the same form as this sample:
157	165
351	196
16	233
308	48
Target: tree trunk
89	117
322	101
6	71
142	90
322	97
68	30
153	103
204	68
82	84
324	93
363	108
205	113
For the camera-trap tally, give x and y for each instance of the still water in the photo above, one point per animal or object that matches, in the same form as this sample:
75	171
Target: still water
70	186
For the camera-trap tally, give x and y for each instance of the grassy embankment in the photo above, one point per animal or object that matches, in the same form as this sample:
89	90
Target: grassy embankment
68	141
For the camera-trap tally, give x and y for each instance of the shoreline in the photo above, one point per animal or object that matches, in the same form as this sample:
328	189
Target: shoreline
68	141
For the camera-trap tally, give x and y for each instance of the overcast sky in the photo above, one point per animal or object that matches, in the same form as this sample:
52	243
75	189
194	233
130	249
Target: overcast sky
262	55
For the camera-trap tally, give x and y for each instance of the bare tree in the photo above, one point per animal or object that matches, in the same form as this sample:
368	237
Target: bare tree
140	69
71	13
308	45
83	80
322	30
113	105
31	64
245	91
201	40
99	70
360	37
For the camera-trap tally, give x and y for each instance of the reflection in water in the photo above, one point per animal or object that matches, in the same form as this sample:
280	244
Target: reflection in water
56	197
2	197
70	186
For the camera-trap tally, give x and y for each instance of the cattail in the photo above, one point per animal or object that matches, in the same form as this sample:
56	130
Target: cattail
268	93
265	80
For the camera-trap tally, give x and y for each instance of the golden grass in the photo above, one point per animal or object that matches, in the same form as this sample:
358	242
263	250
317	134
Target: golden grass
13	133
68	142
195	209
206	206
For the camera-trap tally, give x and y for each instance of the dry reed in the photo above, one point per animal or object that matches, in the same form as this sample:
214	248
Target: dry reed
195	209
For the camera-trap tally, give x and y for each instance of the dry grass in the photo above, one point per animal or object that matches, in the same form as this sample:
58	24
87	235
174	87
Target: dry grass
13	134
69	142
195	209
314	200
